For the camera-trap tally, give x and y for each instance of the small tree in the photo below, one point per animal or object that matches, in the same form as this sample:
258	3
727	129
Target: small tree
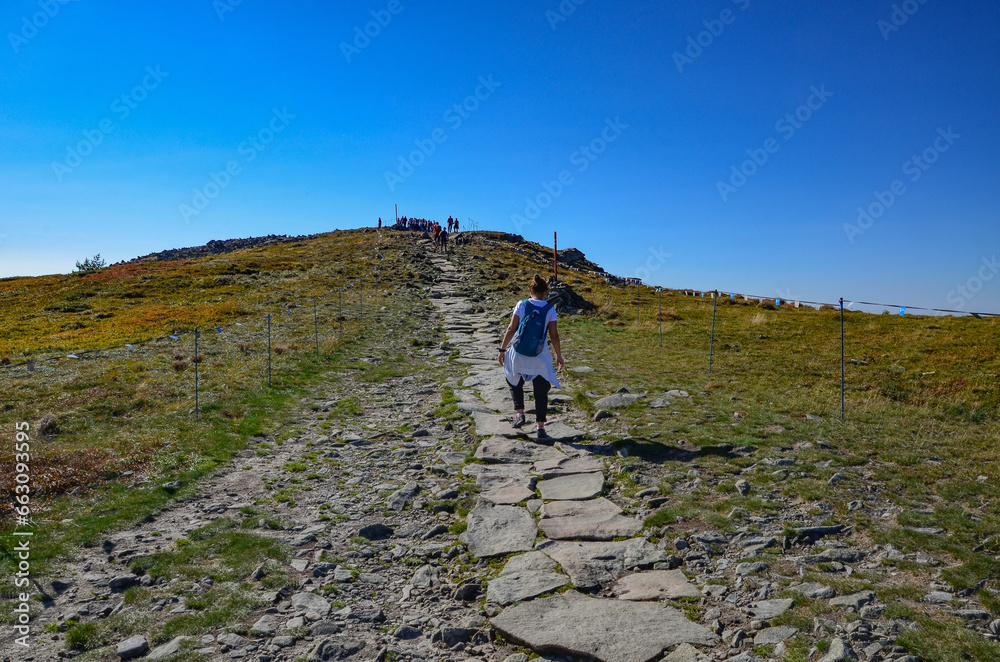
90	265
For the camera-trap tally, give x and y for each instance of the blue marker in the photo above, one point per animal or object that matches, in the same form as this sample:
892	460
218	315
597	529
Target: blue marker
902	311
175	337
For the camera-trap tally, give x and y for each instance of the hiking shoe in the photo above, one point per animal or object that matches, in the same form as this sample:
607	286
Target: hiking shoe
542	434
518	421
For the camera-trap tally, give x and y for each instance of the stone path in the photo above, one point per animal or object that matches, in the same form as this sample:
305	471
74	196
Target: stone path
554	555
576	531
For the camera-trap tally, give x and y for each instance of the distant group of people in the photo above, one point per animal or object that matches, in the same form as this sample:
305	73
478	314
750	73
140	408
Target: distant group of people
424	225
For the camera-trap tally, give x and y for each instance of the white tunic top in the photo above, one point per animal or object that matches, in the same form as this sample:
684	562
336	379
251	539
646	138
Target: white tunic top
517	366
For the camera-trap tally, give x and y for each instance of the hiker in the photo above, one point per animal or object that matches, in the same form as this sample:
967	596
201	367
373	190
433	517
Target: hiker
379	222
443	238
524	353
456	225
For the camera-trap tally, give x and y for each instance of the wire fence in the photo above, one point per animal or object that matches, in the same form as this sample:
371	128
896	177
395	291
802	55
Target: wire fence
280	328
842	306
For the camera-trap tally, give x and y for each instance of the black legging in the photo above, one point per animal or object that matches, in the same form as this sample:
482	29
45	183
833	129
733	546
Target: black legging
541	386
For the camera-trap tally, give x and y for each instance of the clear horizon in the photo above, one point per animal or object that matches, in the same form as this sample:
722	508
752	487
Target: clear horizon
801	152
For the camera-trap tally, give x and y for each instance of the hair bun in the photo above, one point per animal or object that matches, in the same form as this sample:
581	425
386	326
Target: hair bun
539	285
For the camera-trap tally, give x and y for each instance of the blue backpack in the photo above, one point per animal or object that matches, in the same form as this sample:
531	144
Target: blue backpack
530	338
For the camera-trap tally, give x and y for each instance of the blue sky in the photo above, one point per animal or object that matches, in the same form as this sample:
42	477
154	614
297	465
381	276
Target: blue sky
624	128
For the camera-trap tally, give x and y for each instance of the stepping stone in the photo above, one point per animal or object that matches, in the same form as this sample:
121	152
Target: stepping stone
550	468
311	602
559	431
659	403
488	477
655	585
504	450
854	600
687	653
528	561
494	530
525	576
591	564
491	425
590	527
575	486
768	609
618	400
593	507
606	630
522	585
476	407
814	590
581	369
509	493
774	635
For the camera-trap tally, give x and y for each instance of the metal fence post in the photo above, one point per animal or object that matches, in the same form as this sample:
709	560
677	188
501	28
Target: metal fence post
197	409
843	363
711	347
659	302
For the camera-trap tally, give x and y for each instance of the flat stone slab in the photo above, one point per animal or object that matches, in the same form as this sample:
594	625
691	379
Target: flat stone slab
520	585
774	635
593	507
311	602
655	585
491	476
572	487
814	590
591	564
590	527
559	431
687	653
606	630
551	468
474	407
491	425
494	530
504	450
768	609
528	561
510	492
581	369
618	400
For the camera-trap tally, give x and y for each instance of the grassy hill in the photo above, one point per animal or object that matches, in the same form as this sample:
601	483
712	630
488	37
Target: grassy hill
919	439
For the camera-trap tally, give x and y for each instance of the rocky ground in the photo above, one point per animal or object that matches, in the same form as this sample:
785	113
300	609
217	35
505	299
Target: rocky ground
554	557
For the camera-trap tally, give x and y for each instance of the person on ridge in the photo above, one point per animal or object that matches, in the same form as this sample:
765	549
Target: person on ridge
526	357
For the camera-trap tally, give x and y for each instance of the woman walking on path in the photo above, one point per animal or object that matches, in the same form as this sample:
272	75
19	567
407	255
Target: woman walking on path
526	358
